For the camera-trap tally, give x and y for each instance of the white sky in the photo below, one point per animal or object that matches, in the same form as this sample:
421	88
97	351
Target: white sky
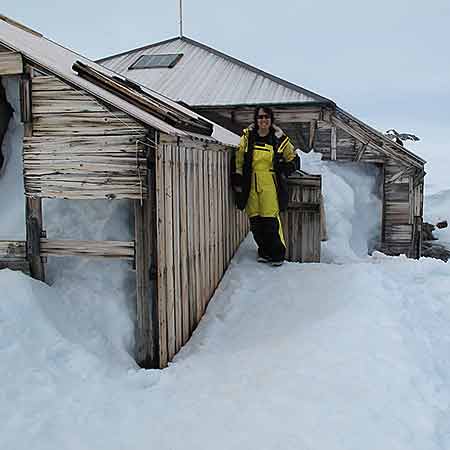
385	61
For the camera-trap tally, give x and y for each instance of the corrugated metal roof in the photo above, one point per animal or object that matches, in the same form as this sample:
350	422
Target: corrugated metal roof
59	60
207	77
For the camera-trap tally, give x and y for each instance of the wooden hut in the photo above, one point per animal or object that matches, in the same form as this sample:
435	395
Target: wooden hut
91	134
226	90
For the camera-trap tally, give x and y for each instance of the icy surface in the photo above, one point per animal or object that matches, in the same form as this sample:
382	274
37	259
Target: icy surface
12	200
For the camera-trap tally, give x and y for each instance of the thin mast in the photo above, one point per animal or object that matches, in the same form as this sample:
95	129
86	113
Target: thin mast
181	18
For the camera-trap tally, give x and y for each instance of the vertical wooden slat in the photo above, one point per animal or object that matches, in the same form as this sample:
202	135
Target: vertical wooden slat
176	247
190	236
215	190
198	156
333	143
184	248
168	208
144	335
222	213
195	235
229	206
161	263
33	213
207	217
33	206
213	202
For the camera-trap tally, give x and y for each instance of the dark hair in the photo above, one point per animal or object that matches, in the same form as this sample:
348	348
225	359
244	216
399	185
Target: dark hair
267	110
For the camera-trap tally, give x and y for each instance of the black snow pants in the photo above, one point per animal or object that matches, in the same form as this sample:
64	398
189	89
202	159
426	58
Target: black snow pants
268	236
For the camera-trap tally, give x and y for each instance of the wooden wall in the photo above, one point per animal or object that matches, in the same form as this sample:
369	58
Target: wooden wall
79	148
198	231
302	219
186	225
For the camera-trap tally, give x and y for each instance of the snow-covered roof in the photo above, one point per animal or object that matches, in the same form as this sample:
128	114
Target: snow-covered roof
59	60
206	77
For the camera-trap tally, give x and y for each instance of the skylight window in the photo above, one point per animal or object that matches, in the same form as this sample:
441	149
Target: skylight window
156	61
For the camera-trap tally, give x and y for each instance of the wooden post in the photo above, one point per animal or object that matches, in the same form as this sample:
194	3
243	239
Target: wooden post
33	212
144	344
147	330
333	143
33	206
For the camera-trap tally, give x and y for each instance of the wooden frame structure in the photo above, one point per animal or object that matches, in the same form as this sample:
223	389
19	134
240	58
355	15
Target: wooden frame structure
98	137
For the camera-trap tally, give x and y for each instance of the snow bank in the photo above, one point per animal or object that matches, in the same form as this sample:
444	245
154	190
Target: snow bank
437	209
12	200
100	294
351	356
352	206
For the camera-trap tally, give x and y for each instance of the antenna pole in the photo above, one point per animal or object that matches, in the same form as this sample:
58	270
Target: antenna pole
181	18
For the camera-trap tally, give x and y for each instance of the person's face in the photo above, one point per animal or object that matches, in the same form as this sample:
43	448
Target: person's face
263	119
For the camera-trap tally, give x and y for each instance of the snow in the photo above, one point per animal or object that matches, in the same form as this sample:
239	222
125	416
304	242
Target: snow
348	354
11	180
352	207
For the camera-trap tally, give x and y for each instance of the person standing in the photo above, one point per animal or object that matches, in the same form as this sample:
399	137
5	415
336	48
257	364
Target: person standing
264	159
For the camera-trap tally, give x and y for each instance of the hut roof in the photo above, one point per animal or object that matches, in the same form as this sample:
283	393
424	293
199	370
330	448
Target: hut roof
206	77
59	61
203	76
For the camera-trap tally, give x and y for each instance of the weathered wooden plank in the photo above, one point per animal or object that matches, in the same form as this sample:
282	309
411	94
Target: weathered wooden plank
204	229
11	63
12	249
184	280
85	123
168	213
221	205
144	333
79	169
333	144
176	247
197	217
21	265
92	249
161	298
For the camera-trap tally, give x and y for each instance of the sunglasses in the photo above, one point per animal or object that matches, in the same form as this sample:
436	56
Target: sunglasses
263	116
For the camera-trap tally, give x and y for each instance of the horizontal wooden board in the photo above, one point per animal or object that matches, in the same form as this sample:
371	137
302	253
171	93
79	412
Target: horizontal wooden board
396	213
97	249
85	123
11	63
397	192
88	167
21	265
12	249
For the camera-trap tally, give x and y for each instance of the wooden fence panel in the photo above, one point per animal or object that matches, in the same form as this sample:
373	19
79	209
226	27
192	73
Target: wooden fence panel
198	231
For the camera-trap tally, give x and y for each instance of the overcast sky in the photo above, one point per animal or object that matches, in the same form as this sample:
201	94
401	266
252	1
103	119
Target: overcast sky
385	61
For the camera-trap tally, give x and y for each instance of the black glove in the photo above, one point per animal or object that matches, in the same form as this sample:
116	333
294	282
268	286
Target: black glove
288	168
237	182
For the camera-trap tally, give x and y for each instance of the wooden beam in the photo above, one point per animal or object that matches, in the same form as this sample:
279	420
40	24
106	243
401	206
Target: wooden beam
360	152
12	249
11	63
21	265
402	173
312	133
144	335
33	206
91	249
333	143
34	232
